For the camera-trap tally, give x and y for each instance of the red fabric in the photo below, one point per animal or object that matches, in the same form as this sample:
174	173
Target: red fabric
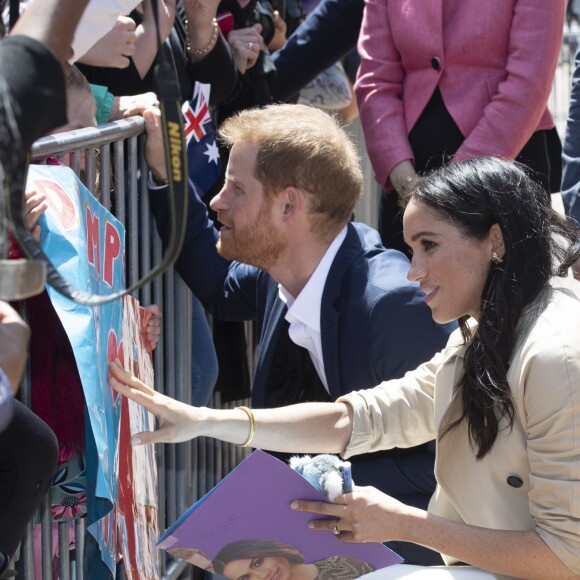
56	389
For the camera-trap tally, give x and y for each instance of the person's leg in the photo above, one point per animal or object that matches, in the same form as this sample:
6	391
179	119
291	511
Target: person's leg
28	458
542	154
204	363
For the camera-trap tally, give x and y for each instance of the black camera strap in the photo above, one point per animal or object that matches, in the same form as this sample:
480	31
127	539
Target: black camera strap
169	95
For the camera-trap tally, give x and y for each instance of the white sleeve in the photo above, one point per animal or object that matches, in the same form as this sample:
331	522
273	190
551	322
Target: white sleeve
98	18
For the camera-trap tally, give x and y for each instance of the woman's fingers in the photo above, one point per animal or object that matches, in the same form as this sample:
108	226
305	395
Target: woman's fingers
130	386
336	509
177	421
336	520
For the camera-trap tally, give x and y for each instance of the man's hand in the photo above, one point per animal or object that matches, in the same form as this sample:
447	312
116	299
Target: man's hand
14	337
403	176
115	48
154	150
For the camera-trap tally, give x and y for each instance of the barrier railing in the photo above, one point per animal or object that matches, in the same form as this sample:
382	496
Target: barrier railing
113	161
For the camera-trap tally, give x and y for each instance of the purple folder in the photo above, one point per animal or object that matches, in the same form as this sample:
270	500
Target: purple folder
253	502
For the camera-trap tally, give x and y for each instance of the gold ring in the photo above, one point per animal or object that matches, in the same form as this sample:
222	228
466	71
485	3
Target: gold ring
336	529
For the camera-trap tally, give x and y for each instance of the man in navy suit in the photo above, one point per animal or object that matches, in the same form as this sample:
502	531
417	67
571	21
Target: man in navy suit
334	309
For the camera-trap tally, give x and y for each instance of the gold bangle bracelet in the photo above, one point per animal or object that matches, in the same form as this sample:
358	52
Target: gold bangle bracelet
197	52
250	415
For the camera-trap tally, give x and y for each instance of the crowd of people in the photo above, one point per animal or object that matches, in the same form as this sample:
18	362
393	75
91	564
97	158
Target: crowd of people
439	354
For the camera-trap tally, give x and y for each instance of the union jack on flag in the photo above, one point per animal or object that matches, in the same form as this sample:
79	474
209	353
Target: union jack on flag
196	113
203	157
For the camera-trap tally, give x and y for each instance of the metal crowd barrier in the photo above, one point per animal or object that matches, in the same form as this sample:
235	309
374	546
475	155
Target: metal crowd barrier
114	162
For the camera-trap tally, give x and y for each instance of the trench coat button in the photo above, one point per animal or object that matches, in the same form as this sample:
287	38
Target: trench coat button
436	63
514	481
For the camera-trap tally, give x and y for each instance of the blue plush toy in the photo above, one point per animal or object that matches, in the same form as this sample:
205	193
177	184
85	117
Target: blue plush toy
327	473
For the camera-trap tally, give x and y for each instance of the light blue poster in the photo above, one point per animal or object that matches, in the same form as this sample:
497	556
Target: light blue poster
85	243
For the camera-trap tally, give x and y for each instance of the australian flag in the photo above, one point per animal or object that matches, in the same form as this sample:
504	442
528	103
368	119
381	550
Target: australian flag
203	156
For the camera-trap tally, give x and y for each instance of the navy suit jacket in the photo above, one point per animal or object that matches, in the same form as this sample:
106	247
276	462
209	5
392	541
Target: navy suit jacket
328	33
375	324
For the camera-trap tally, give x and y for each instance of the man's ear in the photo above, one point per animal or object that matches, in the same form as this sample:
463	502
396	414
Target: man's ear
291	202
497	242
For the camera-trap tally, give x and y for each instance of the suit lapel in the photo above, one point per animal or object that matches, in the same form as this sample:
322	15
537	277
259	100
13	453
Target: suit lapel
349	251
268	343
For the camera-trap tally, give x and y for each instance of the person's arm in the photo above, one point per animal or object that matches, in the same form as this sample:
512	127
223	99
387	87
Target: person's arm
201	30
32	60
327	34
52	23
378	90
218	69
514	112
368	515
305	428
150	34
549	415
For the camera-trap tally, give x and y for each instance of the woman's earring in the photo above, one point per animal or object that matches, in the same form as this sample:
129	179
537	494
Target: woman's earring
496	259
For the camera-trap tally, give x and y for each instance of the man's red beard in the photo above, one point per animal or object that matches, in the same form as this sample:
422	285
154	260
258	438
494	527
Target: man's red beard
253	244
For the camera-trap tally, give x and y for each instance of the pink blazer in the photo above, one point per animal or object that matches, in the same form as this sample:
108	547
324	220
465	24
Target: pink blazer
493	61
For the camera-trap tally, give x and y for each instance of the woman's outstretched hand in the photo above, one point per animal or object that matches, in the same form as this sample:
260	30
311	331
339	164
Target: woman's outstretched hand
177	421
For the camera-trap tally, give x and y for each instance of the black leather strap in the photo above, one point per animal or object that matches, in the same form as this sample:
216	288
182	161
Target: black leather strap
168	93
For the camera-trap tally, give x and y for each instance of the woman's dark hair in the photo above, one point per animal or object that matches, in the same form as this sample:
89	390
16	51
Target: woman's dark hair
251	549
539	244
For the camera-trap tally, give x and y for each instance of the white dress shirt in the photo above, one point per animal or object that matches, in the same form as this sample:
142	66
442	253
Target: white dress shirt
303	313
